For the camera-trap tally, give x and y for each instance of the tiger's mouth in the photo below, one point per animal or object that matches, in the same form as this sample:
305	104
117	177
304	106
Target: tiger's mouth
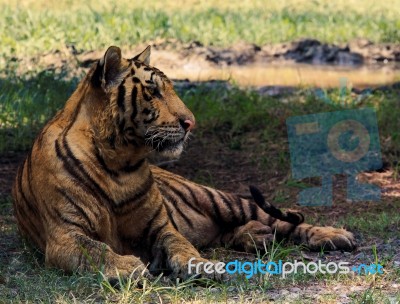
167	143
164	145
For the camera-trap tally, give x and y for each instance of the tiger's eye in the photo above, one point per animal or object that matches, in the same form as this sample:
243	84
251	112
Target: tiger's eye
155	92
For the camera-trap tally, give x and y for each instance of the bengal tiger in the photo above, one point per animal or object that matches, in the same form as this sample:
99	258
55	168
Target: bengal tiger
88	198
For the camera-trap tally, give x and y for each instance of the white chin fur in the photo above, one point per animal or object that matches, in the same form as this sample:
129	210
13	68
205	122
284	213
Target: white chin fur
173	153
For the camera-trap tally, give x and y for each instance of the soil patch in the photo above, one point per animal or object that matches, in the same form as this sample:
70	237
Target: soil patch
9	163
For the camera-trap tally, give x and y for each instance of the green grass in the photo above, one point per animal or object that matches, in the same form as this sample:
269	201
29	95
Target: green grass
36	27
237	111
382	225
26	104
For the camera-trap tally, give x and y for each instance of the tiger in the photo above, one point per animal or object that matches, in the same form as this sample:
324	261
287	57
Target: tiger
88	197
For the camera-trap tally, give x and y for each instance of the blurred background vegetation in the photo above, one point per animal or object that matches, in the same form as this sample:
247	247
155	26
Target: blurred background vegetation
32	27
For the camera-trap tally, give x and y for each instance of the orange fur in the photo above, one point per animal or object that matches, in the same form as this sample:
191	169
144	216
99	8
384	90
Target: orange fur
86	195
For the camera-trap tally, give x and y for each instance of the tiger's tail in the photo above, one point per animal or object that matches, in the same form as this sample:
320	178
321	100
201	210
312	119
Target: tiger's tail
293	217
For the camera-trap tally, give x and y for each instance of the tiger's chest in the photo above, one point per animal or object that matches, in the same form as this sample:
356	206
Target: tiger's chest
134	219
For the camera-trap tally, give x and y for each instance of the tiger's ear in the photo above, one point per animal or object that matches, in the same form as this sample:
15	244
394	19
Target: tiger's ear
144	56
111	67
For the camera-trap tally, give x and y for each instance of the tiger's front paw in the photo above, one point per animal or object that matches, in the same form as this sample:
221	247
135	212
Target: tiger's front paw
127	267
196	267
329	238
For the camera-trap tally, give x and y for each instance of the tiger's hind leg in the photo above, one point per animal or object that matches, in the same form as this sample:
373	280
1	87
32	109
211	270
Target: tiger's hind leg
248	237
254	235
326	238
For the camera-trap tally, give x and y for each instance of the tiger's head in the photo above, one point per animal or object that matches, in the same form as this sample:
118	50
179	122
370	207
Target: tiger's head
142	109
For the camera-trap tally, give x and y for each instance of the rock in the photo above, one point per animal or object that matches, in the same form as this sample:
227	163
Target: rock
273	296
232	289
314	52
295	290
284	292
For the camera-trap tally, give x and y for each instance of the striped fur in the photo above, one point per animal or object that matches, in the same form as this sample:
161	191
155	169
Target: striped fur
87	197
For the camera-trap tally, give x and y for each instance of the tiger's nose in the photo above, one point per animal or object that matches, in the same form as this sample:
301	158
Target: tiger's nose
187	124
